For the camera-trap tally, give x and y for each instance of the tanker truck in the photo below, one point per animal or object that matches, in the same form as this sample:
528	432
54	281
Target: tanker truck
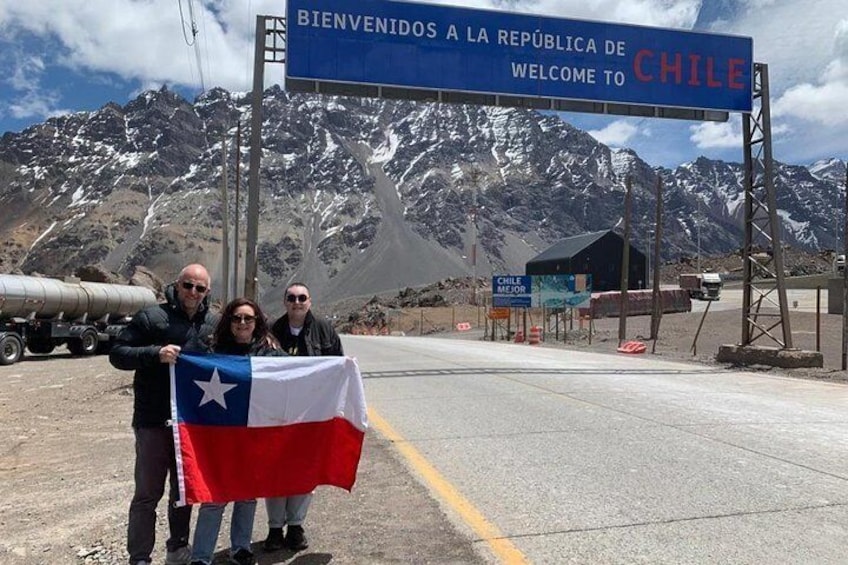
40	314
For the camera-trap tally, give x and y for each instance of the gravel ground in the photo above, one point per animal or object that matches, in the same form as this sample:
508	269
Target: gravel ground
66	459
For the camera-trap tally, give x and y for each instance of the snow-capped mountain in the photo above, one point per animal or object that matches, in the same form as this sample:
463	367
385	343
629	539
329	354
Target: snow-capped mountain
358	195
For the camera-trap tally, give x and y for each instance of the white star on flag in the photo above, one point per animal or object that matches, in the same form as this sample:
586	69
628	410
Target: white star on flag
214	389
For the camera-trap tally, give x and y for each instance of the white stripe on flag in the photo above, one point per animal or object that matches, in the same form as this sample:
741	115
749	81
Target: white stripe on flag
290	390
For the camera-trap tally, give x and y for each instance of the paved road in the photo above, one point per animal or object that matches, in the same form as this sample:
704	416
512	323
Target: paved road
799	300
553	456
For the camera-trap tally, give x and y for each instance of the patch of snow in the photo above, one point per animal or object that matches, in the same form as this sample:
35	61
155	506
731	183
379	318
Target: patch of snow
289	159
386	150
456	172
42	236
330	145
151	211
79	198
734	203
415	161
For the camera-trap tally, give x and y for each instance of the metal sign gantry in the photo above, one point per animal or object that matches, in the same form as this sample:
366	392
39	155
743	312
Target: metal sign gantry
765	311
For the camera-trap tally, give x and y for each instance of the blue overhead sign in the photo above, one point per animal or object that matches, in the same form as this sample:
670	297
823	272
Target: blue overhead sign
414	45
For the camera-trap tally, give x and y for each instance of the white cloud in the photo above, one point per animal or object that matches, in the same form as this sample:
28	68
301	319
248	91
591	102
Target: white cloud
617	134
821	101
716	135
660	13
144	40
794	38
823	104
26	76
27	72
140	44
35	104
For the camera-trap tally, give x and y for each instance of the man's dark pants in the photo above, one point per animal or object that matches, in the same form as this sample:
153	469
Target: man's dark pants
154	461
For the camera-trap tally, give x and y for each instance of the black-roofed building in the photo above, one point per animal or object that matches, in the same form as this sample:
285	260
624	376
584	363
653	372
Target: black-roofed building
598	253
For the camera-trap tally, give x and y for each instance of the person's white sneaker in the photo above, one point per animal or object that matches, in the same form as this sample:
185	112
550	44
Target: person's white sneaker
180	556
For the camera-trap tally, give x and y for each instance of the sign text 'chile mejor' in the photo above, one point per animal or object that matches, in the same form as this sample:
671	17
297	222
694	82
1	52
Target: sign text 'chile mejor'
414	45
537	291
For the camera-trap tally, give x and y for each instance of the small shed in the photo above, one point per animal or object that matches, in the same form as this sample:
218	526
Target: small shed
597	253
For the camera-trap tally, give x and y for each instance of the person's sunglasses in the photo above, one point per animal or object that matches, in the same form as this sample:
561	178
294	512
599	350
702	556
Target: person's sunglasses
198	287
296	298
243	318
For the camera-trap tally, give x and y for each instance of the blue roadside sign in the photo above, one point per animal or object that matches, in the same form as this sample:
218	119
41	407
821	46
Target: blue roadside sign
562	291
514	291
415	45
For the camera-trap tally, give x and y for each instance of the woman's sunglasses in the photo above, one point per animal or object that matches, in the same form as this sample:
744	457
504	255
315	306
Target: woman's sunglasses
296	298
243	319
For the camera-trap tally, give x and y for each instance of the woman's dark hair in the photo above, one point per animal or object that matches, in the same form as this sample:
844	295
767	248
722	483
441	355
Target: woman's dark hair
223	336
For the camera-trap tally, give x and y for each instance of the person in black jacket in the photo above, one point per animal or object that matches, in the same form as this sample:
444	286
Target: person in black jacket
147	345
243	330
299	333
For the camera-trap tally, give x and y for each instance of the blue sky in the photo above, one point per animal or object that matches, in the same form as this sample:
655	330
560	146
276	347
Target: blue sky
61	56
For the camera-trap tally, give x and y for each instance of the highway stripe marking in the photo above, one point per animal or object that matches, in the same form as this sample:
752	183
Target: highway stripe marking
488	532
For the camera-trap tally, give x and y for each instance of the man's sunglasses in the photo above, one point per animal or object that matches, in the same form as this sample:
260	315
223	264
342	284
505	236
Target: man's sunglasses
296	298
243	318
198	287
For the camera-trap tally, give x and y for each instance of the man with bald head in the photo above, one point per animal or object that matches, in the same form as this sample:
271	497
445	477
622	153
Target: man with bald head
148	345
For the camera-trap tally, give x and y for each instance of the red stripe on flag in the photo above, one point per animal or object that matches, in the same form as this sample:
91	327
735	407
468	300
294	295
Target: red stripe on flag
226	463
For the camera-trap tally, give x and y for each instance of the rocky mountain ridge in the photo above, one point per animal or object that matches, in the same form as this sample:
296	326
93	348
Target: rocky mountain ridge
359	195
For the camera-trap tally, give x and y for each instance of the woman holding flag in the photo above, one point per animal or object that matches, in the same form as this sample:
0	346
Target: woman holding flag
242	330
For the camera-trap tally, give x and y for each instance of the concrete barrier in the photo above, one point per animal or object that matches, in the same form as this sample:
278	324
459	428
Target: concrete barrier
639	303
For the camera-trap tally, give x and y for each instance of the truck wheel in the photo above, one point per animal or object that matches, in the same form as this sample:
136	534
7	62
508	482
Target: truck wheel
86	344
40	347
11	349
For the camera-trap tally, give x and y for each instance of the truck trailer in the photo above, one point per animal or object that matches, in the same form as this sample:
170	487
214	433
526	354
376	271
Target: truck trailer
40	314
703	286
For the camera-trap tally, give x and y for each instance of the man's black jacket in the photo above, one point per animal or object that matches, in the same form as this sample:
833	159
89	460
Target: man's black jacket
320	338
137	348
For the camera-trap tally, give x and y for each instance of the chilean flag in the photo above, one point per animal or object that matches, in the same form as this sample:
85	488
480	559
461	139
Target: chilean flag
248	427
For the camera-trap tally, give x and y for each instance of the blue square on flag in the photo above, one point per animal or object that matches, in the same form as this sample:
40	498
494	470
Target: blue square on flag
212	389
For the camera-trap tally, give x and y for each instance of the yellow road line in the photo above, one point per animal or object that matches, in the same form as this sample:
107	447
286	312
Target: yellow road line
487	531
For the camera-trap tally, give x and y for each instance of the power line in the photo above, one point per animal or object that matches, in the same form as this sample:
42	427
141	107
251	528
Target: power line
206	44
247	60
192	42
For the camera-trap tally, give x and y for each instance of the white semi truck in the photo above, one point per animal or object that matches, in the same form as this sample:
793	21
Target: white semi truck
839	264
703	286
40	314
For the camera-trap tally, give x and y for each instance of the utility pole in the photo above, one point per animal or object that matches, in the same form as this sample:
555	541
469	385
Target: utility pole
275	28
699	219
625	264
656	310
225	220
474	234
236	236
650	272
845	281
251	269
